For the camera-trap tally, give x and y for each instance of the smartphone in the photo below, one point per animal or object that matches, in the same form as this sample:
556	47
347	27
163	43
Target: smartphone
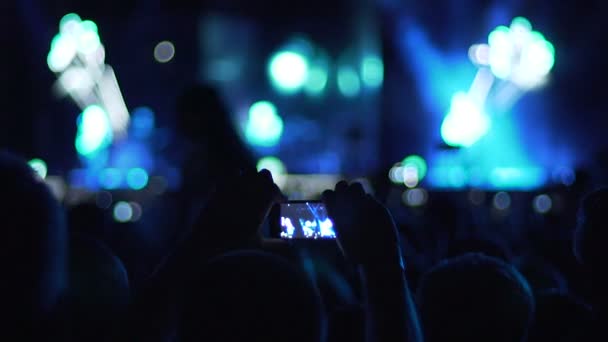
305	220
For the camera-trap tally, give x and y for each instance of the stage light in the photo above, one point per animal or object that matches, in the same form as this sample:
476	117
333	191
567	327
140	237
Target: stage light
410	176
415	197
395	174
142	122
465	123
110	178
542	204
164	51
317	80
68	22
63	51
502	201
516	177
123	212
457	177
479	54
94	131
537	60
113	102
39	166
416	162
518	54
264	126
137	178
372	71
348	81
288	71
75	81
501	52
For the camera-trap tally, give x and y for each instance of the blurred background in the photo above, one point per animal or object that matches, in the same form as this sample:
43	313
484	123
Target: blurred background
495	107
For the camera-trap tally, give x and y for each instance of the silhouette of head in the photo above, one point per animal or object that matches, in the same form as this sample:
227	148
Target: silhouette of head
98	294
33	248
250	295
475	298
479	245
560	318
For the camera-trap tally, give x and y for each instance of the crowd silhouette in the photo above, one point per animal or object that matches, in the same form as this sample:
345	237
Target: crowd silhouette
223	280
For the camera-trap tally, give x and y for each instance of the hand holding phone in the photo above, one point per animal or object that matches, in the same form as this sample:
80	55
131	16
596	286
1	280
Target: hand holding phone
367	233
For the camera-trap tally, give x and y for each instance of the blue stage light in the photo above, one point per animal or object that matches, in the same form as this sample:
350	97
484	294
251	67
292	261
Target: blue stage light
137	178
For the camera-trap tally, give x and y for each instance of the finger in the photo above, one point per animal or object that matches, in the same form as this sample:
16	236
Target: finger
356	189
279	197
265	174
341	186
329	198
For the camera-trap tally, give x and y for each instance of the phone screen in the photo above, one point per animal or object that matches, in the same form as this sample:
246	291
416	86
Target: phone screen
305	220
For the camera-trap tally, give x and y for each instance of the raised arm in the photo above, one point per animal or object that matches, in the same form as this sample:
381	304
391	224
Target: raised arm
368	237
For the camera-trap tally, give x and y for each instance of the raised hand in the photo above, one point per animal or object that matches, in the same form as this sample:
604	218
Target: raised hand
365	229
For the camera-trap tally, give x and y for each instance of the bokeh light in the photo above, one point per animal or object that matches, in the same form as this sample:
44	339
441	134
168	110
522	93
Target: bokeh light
137	178
415	197
518	54
137	211
63	51
477	197
416	162
94	131
465	123
395	174
410	176
123	212
110	178
501	52
39	166
164	51
264	126
288	71
348	81
68	22
542	204
103	199
372	71
317	80
88	41
502	201
142	122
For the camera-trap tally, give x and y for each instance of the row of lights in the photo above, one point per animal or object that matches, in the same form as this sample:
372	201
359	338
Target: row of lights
542	204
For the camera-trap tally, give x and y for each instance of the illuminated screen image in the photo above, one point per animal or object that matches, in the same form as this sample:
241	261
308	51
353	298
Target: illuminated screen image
306	220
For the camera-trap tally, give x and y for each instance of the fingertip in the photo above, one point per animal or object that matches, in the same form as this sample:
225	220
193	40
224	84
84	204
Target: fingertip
265	173
342	185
